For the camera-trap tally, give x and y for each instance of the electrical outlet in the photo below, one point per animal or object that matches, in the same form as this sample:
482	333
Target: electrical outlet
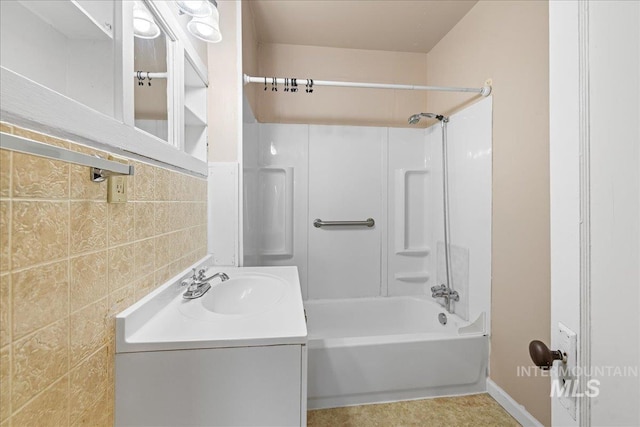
117	189
567	344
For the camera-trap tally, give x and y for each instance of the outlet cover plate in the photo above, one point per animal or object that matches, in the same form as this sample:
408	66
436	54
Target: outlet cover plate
117	189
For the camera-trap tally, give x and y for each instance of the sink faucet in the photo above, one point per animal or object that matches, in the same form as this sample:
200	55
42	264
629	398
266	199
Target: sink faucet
199	283
443	291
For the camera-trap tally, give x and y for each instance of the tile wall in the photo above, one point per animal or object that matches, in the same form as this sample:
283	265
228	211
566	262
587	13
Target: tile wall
69	262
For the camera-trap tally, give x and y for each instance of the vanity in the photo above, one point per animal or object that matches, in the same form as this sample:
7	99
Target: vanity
235	356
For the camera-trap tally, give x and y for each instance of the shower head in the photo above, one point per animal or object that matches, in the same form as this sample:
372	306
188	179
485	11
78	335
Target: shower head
416	117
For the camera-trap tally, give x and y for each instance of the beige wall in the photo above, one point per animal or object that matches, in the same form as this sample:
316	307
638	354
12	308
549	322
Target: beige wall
69	262
508	42
250	53
345	106
225	82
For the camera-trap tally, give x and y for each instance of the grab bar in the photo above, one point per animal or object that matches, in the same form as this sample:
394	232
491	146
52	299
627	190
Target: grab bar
100	168
318	223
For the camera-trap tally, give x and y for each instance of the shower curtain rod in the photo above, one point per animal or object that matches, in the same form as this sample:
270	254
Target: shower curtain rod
484	91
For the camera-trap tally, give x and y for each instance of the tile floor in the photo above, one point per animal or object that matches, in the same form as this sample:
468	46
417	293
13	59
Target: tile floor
474	411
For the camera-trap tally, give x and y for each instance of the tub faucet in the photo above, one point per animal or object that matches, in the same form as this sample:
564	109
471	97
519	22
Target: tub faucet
198	284
443	291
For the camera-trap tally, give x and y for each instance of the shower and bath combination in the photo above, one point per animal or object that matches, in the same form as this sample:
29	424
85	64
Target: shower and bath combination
445	290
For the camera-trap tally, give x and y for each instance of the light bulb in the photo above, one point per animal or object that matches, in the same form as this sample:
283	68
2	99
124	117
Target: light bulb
203	29
144	26
206	29
141	25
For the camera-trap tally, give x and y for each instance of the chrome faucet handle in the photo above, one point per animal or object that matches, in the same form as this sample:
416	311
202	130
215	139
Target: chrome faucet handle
201	273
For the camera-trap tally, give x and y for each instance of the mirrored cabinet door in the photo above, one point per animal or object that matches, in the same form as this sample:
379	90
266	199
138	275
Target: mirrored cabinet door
64	45
152	74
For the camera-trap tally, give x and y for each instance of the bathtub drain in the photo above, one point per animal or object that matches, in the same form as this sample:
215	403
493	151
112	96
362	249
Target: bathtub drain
442	318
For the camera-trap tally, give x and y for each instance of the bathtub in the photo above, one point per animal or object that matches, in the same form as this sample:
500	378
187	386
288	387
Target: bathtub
370	350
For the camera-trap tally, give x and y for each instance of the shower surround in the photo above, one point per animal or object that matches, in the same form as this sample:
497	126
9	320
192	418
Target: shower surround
295	174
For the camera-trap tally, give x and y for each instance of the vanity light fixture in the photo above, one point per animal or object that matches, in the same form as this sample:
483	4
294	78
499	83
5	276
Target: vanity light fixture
197	9
144	26
205	23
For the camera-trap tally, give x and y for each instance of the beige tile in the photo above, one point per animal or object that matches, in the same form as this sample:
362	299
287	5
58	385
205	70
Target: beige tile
144	286
39	232
5	383
121	265
184	243
88	384
81	185
145	253
37	177
6	127
40	137
5	309
88	279
38	360
202	190
5	173
5	224
51	408
40	296
202	213
199	236
88	331
144	182
167	249
88	226
162	218
119	300
185	214
193	239
6	423
98	414
165	273
163	185
144	220
121	220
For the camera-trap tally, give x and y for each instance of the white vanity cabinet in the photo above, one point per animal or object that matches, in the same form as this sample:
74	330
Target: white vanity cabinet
70	68
241	386
236	356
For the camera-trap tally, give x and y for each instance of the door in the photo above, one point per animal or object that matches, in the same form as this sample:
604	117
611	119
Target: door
595	204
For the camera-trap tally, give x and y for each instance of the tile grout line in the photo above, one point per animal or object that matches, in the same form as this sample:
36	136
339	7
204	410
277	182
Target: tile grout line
10	278
68	398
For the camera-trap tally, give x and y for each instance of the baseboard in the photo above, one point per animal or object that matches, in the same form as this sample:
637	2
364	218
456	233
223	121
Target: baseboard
515	409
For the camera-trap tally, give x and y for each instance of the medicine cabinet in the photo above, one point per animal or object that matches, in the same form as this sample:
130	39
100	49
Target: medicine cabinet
83	69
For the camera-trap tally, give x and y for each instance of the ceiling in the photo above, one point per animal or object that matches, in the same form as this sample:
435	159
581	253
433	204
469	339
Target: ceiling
391	25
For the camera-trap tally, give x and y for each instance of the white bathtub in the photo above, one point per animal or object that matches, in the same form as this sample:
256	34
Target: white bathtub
369	350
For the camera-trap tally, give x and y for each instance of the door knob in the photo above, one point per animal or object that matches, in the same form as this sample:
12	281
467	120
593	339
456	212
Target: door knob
542	356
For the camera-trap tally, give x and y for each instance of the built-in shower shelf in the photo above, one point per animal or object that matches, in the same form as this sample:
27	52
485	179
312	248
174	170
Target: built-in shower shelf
414	251
276	192
411	212
412	277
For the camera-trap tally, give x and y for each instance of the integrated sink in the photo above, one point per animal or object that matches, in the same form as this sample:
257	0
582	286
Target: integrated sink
244	294
256	306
